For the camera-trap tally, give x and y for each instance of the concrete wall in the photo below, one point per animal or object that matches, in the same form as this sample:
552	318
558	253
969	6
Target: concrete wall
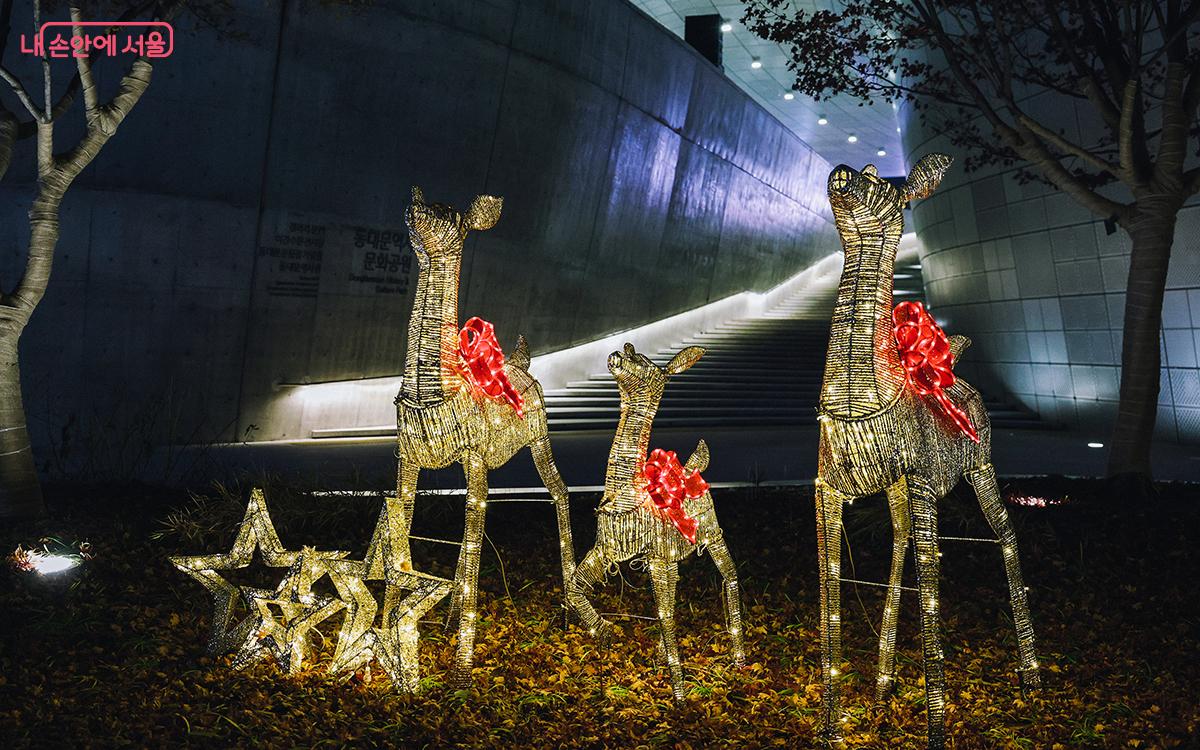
244	229
1039	284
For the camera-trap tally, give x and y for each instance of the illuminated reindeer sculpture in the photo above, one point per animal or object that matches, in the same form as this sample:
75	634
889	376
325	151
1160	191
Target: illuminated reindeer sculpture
443	416
631	523
880	432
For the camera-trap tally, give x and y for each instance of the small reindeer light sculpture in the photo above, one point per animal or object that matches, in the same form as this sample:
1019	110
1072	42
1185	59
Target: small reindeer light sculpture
881	432
635	521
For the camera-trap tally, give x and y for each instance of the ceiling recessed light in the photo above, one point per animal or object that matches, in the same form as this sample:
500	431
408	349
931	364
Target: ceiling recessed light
727	27
852	138
822	120
881	152
789	96
756	63
897	130
1095	445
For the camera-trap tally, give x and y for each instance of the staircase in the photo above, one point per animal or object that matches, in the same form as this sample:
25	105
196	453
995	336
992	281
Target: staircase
760	371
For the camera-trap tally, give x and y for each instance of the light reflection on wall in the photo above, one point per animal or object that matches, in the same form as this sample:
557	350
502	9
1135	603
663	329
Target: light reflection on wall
364	408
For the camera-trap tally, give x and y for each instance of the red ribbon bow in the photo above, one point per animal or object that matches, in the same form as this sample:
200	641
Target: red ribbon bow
484	361
668	483
927	359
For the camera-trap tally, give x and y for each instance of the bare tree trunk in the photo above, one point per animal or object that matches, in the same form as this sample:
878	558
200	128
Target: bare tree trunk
8	136
20	492
1152	231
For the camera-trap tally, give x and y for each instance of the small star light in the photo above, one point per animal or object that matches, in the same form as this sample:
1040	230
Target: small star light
394	646
286	638
256	530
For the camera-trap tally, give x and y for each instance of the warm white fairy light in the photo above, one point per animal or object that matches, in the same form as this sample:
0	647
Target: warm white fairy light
629	525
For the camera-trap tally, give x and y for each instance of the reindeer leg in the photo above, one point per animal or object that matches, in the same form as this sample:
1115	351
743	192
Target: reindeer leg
587	574
983	479
664	576
406	494
543	459
923	509
733	604
454	611
829	552
897	496
467	578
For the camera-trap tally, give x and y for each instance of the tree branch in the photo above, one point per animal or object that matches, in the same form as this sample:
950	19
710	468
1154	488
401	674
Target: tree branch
1064	145
83	63
1091	82
1129	169
1030	149
19	89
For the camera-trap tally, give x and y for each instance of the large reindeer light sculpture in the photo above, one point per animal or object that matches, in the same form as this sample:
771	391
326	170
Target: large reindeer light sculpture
460	401
635	520
880	431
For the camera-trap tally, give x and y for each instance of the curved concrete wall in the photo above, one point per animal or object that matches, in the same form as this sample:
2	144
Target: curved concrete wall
244	229
1039	285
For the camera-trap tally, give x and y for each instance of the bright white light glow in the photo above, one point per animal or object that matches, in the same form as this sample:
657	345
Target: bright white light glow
1095	445
881	152
727	27
756	63
46	564
789	96
853	139
822	120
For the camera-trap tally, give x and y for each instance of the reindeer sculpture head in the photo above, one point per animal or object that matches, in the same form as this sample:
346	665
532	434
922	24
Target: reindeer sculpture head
866	205
436	229
640	380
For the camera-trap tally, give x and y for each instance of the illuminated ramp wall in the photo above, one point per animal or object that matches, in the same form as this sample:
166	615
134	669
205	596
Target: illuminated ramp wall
638	183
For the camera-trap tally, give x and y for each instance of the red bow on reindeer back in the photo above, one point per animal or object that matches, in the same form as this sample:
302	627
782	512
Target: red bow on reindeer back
668	484
925	354
480	352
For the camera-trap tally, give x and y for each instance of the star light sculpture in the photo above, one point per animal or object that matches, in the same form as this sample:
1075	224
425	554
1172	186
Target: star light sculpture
255	532
285	637
395	645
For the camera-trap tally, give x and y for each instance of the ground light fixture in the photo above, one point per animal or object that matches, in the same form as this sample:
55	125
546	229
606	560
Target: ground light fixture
822	120
881	152
52	557
756	63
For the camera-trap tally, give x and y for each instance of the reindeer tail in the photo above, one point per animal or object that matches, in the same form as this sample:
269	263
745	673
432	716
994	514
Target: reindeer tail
699	459
958	345
520	356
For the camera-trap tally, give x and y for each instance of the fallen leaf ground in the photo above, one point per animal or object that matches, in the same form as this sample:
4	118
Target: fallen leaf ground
111	654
